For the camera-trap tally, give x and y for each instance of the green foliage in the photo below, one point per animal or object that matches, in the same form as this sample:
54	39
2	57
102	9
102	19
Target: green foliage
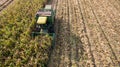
17	49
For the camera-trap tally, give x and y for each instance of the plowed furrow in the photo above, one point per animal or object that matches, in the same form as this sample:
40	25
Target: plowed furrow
87	34
109	35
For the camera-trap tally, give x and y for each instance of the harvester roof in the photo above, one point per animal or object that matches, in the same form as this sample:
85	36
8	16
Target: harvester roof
44	13
42	20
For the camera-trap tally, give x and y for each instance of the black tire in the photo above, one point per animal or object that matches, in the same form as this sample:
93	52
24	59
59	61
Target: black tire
51	29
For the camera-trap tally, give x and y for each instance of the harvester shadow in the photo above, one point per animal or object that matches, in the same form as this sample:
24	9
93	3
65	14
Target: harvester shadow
76	50
64	55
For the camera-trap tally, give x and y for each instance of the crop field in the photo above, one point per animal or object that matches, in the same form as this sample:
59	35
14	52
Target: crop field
17	47
88	33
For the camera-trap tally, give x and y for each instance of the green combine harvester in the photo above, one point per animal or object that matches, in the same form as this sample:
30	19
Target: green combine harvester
45	19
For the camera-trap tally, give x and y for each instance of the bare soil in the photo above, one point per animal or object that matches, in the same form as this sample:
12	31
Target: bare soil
4	4
88	33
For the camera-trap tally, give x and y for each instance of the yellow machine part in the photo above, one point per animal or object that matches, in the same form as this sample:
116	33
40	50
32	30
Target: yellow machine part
42	20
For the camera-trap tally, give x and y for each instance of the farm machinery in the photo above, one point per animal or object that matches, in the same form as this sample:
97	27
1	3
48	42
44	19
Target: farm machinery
45	22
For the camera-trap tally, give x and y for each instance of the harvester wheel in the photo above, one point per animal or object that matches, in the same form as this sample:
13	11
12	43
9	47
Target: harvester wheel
51	29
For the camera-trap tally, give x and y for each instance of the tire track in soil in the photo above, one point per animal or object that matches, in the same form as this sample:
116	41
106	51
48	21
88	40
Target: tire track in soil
82	44
75	51
72	56
109	15
5	4
81	40
90	53
107	36
55	57
99	27
87	14
2	2
103	32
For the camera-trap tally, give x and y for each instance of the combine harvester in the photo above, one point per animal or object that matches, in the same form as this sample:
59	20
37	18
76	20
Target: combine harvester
45	23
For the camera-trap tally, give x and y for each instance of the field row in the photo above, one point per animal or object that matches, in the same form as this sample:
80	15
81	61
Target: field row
87	33
4	3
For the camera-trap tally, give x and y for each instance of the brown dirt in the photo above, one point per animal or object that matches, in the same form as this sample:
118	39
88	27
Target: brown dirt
88	33
4	4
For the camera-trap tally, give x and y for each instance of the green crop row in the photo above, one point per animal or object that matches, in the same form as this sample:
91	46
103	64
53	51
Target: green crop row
17	48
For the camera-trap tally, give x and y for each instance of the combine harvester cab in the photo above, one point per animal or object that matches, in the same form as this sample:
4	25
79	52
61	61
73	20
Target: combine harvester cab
45	19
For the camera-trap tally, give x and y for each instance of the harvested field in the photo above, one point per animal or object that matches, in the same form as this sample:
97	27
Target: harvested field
4	3
88	33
